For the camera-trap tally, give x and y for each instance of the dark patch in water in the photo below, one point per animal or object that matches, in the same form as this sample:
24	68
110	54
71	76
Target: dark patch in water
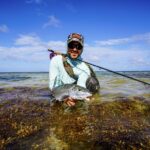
138	74
24	93
13	78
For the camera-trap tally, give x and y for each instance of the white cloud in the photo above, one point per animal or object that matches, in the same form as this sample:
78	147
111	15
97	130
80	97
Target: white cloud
4	28
58	45
113	41
138	60
31	48
135	38
53	21
28	40
122	59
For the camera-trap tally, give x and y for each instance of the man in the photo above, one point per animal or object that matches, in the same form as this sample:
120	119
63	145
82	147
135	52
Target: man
68	70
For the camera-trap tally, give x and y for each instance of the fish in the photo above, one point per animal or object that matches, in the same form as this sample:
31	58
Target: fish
74	91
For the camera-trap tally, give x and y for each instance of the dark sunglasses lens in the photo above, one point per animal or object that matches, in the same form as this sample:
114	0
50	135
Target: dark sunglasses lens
72	46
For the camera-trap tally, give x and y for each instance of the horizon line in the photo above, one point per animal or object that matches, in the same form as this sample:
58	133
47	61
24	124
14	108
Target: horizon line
94	70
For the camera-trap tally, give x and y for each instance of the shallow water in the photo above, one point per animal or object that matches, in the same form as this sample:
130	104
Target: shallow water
111	84
117	118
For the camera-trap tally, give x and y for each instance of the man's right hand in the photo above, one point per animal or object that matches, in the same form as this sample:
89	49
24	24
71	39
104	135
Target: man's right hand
70	102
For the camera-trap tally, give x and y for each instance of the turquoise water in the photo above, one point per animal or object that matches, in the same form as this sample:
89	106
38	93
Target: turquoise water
111	85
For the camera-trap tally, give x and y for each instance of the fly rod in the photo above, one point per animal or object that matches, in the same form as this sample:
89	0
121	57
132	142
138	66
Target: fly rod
106	69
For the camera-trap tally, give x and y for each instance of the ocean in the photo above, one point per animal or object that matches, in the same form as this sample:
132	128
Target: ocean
116	118
111	84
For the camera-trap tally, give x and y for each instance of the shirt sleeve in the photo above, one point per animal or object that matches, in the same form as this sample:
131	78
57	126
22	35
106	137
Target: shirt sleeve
53	72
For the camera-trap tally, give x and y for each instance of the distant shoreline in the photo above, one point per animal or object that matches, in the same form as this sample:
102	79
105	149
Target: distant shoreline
95	71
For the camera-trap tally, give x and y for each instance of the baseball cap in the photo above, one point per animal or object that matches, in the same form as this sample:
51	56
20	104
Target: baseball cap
75	37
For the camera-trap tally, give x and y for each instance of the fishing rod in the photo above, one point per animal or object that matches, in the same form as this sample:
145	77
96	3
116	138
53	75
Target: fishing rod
50	50
115	72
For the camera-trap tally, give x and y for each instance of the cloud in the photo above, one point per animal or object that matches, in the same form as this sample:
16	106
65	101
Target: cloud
58	45
138	60
28	40
135	38
52	22
4	28
118	59
31	48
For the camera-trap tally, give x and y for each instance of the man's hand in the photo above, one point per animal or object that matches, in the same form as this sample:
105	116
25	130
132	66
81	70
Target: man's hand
70	101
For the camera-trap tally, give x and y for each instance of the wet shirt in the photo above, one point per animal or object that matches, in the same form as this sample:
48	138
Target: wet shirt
58	75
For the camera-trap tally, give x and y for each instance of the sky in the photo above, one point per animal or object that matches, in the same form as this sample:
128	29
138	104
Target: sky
116	33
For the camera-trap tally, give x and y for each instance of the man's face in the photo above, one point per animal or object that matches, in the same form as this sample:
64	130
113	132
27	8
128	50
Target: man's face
74	49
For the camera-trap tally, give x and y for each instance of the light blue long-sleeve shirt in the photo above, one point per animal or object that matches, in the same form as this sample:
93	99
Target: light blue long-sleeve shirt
58	75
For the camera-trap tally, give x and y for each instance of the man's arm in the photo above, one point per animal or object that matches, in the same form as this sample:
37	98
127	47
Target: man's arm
53	72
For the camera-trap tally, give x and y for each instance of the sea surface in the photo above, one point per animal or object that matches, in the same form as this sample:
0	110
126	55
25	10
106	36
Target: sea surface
116	118
111	84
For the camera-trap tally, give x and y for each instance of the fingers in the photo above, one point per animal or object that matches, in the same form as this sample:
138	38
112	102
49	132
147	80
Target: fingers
70	102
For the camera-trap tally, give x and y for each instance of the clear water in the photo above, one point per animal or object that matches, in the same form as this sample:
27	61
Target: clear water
111	85
118	119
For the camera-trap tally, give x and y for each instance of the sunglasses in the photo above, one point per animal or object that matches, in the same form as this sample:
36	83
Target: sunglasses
77	46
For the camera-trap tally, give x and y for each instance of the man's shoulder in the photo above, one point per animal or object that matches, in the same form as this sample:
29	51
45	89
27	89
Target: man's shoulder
57	58
83	64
